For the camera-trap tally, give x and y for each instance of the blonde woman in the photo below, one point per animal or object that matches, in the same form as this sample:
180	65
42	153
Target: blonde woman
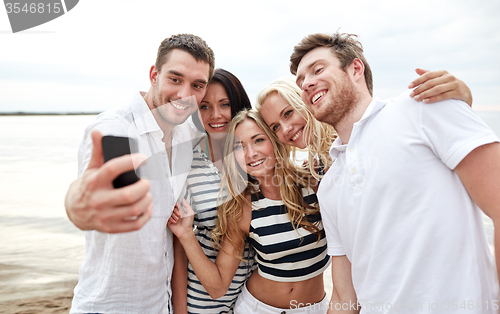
281	106
276	208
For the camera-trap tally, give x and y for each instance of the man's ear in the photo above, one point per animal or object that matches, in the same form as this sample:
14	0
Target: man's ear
357	70
153	75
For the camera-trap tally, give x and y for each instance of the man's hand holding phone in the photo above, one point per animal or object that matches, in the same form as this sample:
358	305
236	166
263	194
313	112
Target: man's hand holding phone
93	203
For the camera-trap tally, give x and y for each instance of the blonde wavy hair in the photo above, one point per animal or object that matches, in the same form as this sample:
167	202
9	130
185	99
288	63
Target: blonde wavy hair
320	136
237	186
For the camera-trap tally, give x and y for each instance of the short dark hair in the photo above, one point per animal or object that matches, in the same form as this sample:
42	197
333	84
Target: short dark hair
238	98
189	43
346	47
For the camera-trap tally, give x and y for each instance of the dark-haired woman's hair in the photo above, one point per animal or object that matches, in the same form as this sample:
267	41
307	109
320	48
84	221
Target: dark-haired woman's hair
238	98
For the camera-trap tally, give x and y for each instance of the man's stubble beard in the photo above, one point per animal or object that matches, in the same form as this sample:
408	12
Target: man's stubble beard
157	107
341	104
161	109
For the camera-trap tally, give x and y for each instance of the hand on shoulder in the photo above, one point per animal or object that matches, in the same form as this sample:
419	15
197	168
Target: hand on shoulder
433	86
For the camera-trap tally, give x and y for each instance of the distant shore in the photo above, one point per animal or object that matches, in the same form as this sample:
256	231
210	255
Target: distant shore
20	113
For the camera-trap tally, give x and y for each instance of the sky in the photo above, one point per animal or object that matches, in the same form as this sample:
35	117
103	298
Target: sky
99	54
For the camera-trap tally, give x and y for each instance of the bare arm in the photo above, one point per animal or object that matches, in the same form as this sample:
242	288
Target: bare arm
179	279
480	174
344	299
215	277
439	85
92	203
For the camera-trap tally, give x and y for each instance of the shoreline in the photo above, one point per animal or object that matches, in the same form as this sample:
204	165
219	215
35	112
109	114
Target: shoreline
26	290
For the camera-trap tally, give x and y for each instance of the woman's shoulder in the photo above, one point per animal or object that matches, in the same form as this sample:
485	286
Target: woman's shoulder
246	217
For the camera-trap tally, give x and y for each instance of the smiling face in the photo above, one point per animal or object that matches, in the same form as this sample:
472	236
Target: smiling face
253	150
327	90
178	87
215	109
284	120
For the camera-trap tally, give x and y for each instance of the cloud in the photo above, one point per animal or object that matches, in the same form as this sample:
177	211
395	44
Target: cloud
104	46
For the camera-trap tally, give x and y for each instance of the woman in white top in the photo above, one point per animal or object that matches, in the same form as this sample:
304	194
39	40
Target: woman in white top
271	201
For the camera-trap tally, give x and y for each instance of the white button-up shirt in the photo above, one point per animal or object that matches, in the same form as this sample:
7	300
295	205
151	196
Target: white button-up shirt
130	272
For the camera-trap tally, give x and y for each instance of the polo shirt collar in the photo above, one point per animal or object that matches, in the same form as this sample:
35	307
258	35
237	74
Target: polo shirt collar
144	119
336	148
375	105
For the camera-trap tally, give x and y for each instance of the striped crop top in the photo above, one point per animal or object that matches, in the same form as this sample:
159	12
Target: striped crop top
283	253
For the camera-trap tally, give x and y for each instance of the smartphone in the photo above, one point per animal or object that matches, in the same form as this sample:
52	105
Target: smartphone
116	146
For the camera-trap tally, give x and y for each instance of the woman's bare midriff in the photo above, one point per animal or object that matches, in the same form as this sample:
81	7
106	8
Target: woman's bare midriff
286	295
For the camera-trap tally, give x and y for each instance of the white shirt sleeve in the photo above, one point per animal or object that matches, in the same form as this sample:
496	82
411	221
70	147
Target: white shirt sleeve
329	221
452	130
334	244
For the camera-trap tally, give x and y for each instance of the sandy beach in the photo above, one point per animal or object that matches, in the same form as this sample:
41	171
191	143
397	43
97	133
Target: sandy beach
58	303
29	291
24	290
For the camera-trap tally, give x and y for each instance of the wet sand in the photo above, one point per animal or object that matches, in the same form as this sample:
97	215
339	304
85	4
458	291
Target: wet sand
59	303
25	290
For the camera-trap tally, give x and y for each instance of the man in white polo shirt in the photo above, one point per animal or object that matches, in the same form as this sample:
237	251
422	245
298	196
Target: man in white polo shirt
401	205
